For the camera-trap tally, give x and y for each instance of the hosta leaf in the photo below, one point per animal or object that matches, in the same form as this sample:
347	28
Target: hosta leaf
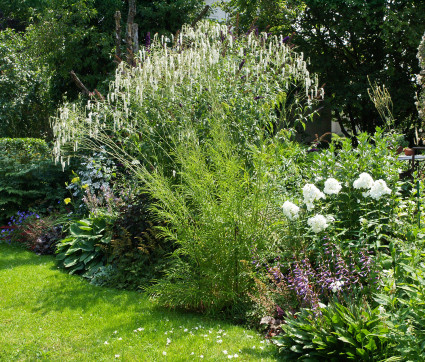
347	340
70	261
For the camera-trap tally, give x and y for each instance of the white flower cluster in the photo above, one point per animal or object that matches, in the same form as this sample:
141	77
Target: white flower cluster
365	181
290	210
336	286
379	189
317	223
376	189
332	186
311	193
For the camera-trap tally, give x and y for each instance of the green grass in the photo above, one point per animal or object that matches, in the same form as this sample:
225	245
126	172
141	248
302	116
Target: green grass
48	315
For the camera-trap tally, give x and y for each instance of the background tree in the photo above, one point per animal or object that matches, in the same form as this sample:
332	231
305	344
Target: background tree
348	41
275	16
351	40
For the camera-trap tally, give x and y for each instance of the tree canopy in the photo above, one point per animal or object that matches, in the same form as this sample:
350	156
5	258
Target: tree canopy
351	45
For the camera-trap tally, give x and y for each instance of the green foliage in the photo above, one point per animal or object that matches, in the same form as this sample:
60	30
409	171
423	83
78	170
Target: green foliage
275	16
28	177
402	297
336	333
138	255
82	252
351	40
25	96
165	17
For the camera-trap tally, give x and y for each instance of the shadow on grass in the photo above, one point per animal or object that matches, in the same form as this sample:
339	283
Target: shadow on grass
15	255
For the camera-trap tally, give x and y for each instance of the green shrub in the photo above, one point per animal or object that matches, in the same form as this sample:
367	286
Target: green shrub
28	177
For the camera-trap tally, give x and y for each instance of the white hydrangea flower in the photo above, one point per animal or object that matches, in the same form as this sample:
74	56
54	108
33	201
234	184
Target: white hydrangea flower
317	223
365	181
332	186
290	210
311	193
379	189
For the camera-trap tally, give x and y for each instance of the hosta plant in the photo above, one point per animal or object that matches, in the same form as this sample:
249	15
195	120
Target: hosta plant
336	333
82	252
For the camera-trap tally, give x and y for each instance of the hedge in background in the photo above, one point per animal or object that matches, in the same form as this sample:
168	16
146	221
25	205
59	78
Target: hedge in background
28	177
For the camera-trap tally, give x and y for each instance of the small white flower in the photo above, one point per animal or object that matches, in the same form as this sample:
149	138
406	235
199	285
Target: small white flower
290	210
225	351
185	330
168	341
115	332
336	286
236	355
201	356
120	339
164	353
219	341
365	181
317	223
117	356
140	329
106	342
229	356
332	186
192	353
381	309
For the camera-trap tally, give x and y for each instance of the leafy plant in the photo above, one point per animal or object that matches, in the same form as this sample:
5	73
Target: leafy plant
139	256
82	252
336	332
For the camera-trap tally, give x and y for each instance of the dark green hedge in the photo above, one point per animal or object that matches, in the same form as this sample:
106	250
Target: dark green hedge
29	179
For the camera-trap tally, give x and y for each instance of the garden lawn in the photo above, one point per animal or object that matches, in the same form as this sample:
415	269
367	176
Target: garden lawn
49	315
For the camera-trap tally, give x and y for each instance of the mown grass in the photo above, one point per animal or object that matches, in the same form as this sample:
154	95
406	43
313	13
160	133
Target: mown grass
48	315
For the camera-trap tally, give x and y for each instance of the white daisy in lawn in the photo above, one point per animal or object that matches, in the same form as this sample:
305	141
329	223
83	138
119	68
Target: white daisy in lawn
164	353
117	356
225	351
168	341
120	339
219	341
106	342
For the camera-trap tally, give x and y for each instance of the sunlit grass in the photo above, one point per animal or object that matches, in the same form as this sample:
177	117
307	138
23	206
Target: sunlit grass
49	315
